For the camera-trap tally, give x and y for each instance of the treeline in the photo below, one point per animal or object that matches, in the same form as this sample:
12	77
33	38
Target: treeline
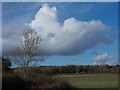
71	69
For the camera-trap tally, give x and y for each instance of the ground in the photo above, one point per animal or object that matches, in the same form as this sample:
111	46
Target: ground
92	80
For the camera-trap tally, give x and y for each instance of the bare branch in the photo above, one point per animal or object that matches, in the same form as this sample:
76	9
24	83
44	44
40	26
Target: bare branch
27	52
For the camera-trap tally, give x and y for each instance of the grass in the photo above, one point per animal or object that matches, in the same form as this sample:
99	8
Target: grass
83	81
92	80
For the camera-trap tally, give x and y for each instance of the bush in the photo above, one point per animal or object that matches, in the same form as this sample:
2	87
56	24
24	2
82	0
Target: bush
48	82
10	81
45	81
33	81
60	83
6	63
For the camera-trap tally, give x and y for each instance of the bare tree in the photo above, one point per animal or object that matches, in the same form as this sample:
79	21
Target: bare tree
29	52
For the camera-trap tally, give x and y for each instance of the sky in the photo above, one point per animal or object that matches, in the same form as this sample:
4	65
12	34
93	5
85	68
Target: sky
0	29
81	33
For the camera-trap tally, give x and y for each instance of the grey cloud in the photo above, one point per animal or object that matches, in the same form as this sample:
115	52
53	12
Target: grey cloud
74	59
11	37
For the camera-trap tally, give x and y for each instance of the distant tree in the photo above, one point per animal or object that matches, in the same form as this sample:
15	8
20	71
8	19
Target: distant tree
29	52
0	64
6	63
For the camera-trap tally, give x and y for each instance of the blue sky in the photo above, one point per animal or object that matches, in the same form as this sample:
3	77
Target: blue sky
15	15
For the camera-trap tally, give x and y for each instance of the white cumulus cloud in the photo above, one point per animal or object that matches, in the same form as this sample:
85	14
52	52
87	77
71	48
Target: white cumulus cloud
101	59
71	37
68	38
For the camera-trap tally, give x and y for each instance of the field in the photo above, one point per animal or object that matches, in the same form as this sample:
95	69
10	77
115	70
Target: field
83	77
92	80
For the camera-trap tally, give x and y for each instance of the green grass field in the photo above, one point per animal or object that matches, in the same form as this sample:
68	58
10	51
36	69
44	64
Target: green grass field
92	80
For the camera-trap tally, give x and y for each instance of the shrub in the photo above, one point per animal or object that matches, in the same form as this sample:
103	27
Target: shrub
33	81
10	81
45	81
6	63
